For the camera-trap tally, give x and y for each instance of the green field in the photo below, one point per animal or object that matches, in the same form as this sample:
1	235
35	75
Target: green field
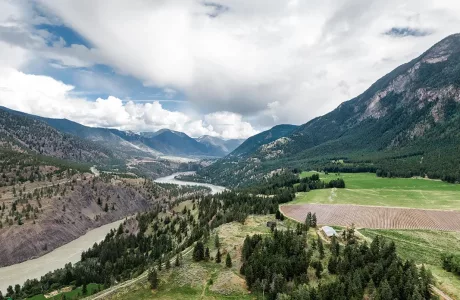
368	189
425	247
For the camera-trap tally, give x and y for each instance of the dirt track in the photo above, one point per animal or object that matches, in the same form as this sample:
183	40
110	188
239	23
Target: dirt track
376	217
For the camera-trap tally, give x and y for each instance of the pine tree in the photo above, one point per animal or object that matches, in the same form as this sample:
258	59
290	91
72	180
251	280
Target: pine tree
332	265
335	246
371	290
308	220
228	261
384	291
177	262
218	256
84	289
206	254
313	220
216	241
198	251
320	248
153	278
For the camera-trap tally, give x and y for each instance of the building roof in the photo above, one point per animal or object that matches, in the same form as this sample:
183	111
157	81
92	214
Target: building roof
329	231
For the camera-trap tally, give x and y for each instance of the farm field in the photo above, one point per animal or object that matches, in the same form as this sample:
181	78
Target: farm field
376	217
425	247
368	189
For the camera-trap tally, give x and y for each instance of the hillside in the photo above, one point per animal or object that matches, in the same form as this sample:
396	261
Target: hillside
254	142
127	144
23	134
405	124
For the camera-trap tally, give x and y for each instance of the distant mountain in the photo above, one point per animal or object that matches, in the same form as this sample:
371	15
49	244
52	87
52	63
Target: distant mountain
145	144
254	142
19	132
405	124
155	133
178	143
225	146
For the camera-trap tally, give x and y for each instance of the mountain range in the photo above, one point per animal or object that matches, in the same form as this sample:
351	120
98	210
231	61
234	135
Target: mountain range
406	124
122	144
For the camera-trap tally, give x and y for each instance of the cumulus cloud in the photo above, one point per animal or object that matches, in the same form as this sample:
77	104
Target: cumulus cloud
241	56
260	62
45	96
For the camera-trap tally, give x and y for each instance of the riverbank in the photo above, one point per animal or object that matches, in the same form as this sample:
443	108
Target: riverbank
172	180
70	252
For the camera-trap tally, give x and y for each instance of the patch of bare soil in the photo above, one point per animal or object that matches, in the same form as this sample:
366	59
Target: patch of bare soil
228	283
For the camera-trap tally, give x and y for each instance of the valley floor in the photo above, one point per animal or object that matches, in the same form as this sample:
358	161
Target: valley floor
368	189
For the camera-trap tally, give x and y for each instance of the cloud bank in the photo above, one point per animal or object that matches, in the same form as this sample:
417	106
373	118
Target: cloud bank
241	65
44	96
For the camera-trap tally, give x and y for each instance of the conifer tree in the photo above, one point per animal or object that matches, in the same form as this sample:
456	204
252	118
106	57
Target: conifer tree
153	278
218	256
228	261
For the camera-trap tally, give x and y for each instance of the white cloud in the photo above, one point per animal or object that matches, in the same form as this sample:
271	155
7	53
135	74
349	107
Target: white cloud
265	62
45	96
308	56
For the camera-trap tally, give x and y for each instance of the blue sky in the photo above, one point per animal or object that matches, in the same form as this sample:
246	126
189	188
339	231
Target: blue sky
101	81
228	68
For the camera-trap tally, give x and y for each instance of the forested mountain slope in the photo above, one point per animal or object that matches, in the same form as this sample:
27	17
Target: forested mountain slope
405	124
24	134
253	143
127	144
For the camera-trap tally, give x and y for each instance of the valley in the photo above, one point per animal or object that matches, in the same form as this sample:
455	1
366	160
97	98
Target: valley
104	213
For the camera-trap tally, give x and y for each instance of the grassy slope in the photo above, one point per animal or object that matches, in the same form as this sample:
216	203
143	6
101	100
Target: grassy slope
191	281
425	247
368	189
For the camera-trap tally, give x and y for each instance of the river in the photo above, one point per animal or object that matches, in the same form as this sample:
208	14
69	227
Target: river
70	252
171	179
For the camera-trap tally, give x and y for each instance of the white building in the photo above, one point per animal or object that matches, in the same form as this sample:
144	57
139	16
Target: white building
328	231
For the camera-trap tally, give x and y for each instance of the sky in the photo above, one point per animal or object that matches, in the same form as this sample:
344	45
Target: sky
228	69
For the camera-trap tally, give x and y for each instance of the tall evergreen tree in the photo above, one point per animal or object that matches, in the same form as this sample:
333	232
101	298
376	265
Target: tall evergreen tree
320	248
153	278
218	256
384	291
198	251
216	241
228	261
313	221
206	254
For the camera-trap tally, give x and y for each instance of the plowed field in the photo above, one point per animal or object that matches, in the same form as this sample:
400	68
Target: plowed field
376	217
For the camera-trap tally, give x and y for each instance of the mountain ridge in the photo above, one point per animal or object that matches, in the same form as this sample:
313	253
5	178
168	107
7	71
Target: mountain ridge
396	126
128	144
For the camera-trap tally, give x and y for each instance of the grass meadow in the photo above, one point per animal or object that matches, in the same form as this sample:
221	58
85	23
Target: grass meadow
368	189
